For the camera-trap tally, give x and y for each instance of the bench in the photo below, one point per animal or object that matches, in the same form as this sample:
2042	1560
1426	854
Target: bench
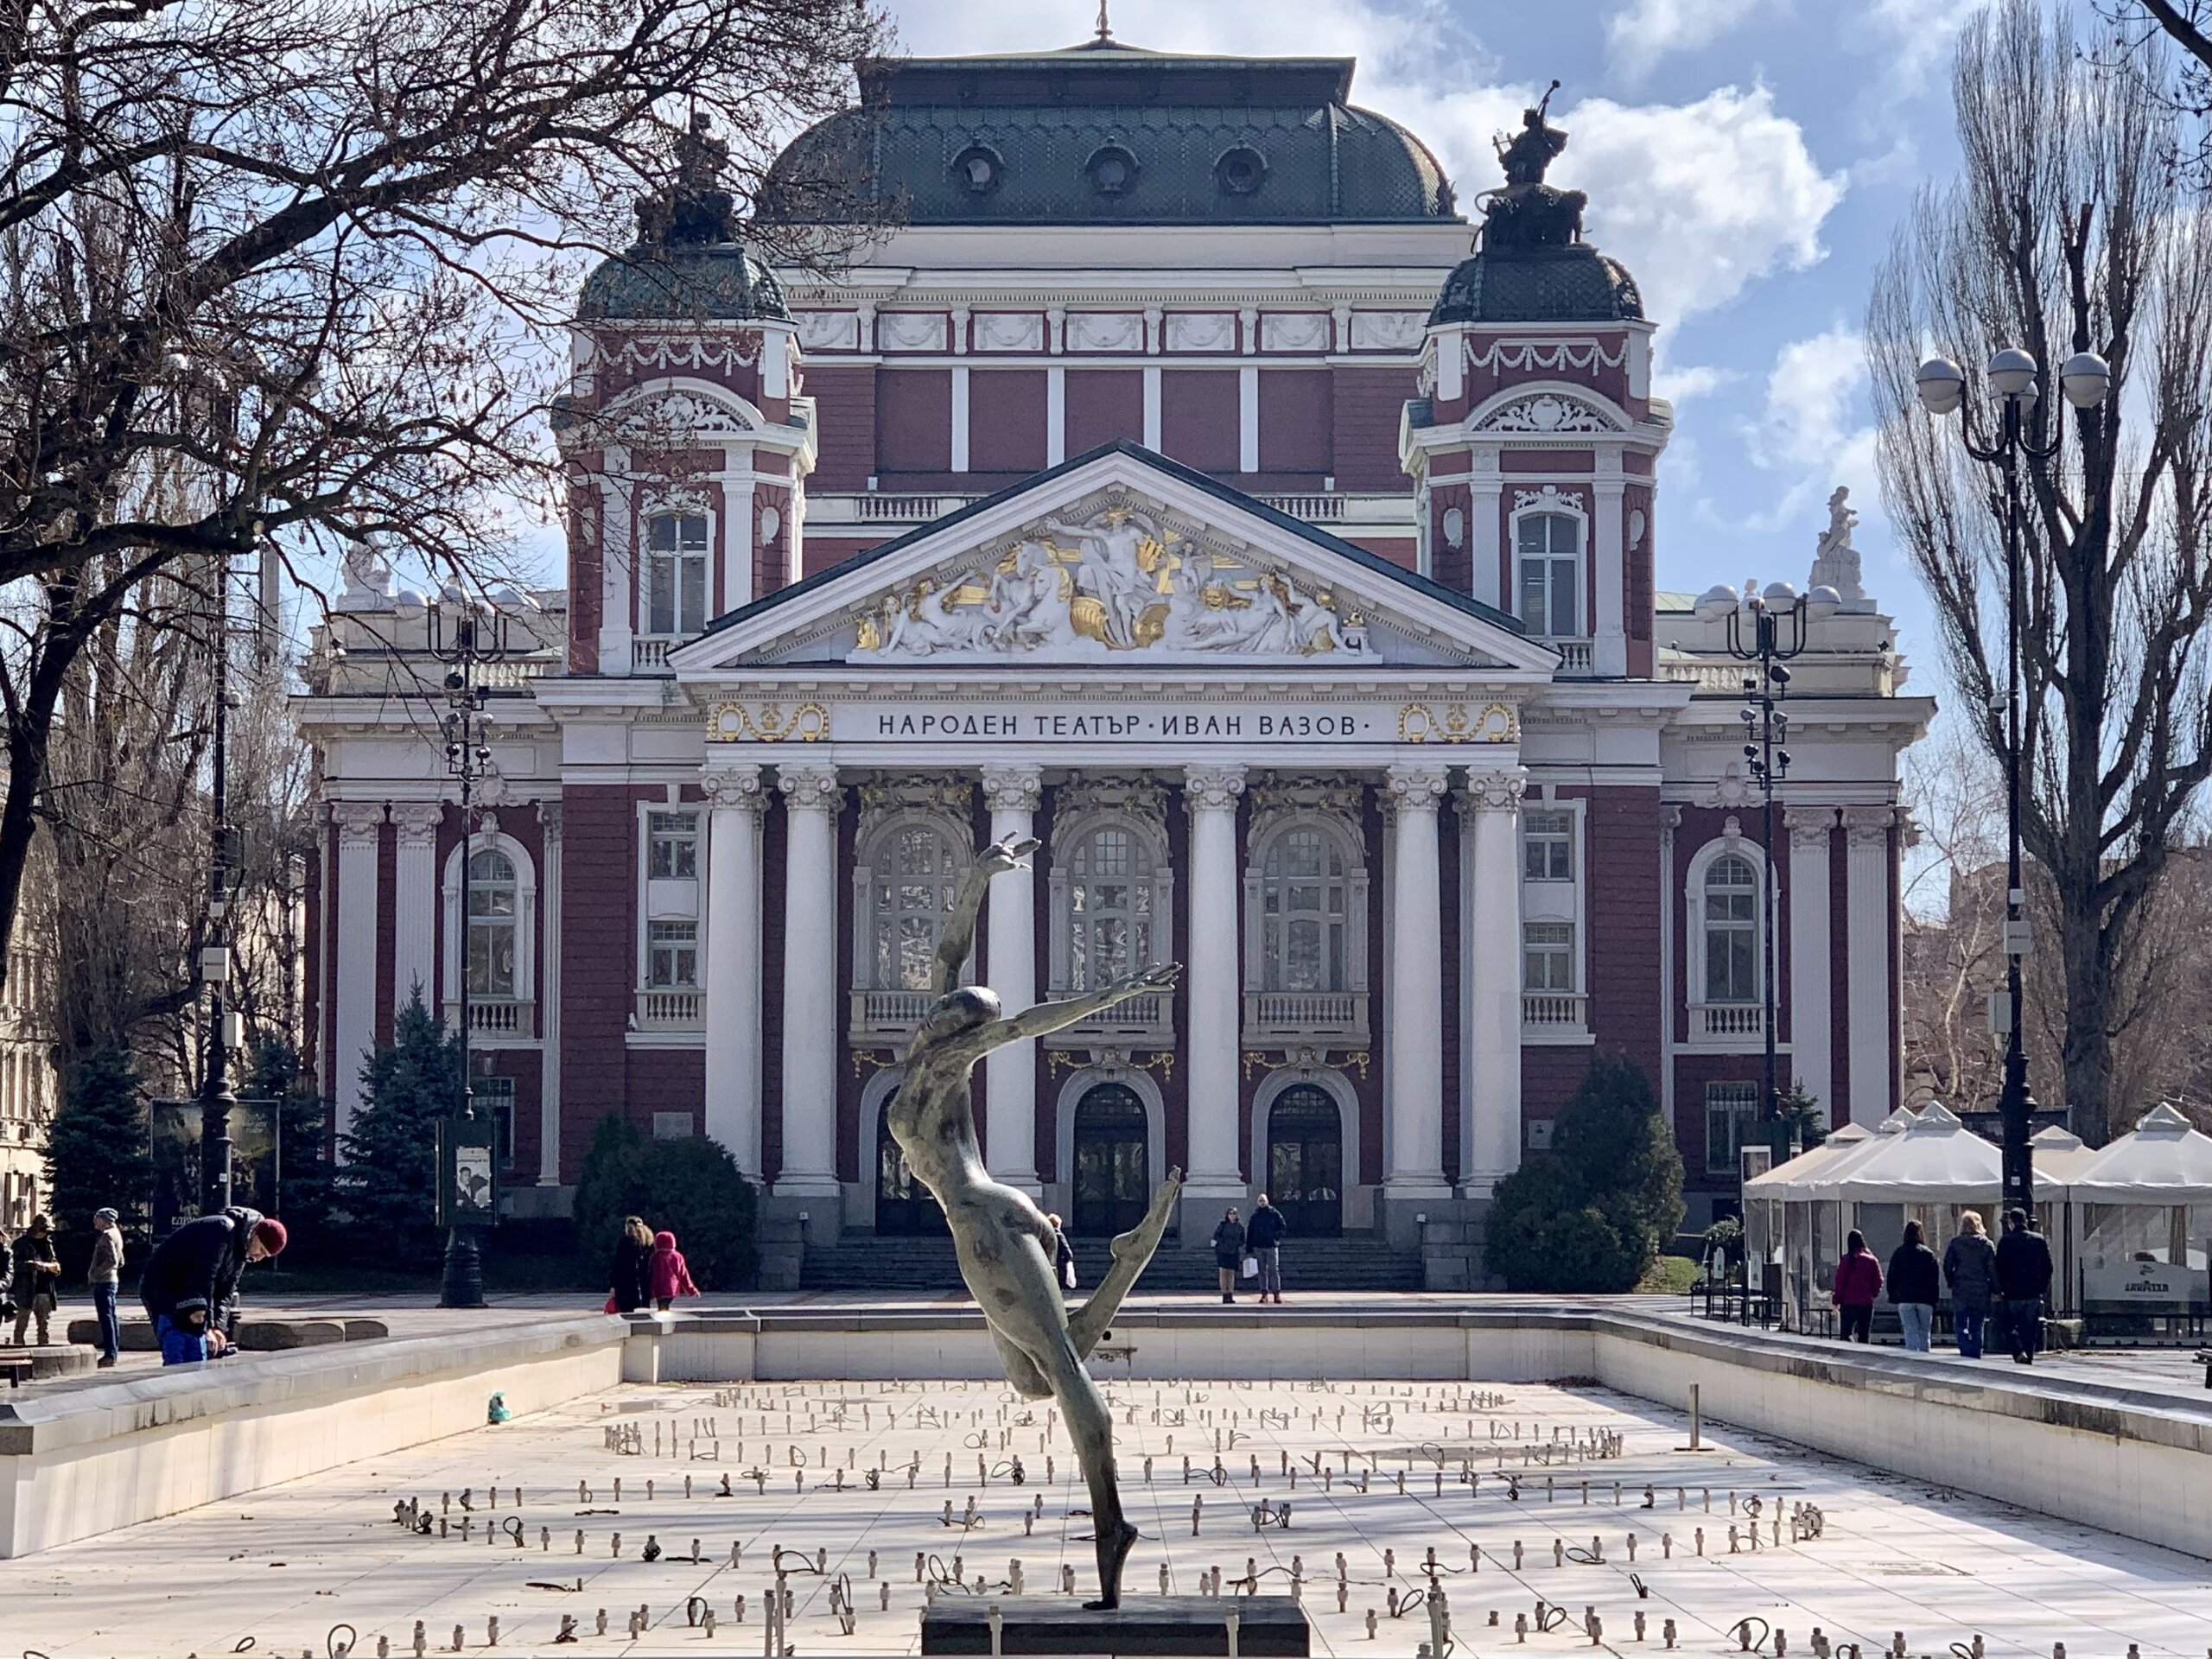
18	1366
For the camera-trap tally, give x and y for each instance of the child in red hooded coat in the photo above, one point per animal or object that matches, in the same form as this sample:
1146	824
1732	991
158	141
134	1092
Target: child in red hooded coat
667	1275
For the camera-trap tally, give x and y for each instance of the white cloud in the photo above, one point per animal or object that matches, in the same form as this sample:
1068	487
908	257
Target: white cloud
1812	432
1679	384
1644	31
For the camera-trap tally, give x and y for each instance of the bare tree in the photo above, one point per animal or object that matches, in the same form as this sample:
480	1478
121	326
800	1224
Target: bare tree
306	250
2067	231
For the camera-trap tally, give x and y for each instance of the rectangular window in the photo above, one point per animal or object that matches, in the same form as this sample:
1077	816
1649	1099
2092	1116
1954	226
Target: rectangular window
1731	1111
672	955
1547	957
675	573
1548	845
496	1096
672	846
1548	546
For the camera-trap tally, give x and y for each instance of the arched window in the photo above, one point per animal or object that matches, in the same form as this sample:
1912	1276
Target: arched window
1305	912
1110	906
916	873
493	925
1547	551
1729	917
676	574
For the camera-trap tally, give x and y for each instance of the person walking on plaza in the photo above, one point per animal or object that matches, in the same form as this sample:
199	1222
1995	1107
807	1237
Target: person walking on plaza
1063	1255
190	1287
105	1275
668	1275
1857	1282
2022	1281
1916	1282
1228	1253
633	1248
37	1277
1970	1269
1263	1238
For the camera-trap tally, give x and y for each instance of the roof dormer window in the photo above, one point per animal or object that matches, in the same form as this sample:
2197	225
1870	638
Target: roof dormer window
1240	171
1112	170
978	169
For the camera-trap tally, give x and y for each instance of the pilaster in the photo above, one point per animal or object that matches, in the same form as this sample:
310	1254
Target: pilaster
1010	1072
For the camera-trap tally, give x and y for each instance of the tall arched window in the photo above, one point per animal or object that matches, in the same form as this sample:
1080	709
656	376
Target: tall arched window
493	925
1547	551
915	876
1304	909
1730	919
1110	913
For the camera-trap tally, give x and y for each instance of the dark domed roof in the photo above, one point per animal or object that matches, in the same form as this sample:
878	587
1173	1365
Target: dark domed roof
716	282
1109	134
1573	283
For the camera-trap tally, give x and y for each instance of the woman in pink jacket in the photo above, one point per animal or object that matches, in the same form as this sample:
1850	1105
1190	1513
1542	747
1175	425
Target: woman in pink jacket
667	1275
1857	1282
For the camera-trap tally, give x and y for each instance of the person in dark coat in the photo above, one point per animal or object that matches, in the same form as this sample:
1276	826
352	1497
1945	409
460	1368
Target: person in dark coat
37	1274
1263	1238
1970	1269
633	1252
1228	1253
1916	1282
190	1289
1857	1282
2023	1282
1063	1255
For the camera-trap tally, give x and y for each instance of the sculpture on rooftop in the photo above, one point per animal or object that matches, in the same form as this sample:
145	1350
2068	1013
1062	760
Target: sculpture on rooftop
693	210
1836	562
1526	212
1003	1241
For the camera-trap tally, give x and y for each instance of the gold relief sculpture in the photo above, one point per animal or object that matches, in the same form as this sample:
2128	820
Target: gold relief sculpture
1494	723
767	722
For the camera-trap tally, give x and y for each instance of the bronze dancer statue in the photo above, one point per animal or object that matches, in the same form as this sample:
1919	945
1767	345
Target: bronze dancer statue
1003	1240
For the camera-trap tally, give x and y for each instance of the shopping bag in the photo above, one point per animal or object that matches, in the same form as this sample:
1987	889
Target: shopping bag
610	1307
1251	1267
1067	1275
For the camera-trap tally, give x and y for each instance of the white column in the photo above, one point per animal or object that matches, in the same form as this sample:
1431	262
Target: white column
354	980
1810	999
811	798
1866	904
549	996
414	905
733	994
1609	648
1214	975
618	542
737	537
1247	420
1056	416
1492	955
1486	489
1010	1073
1416	987
1151	408
960	419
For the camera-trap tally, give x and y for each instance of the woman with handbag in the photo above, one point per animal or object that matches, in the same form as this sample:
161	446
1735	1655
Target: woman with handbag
1062	1256
1229	1254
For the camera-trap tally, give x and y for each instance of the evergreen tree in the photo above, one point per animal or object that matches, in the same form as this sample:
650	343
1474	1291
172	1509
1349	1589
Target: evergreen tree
389	1183
691	1187
96	1153
1804	1125
303	1119
1595	1213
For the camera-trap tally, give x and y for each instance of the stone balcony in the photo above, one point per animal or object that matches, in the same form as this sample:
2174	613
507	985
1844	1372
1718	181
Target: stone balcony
894	514
1305	1020
670	1008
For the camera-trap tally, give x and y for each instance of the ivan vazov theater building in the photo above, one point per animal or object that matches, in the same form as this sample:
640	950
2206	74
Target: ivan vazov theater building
1172	485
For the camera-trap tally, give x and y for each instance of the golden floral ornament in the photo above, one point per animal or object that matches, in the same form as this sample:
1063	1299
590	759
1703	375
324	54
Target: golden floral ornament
1494	723
767	722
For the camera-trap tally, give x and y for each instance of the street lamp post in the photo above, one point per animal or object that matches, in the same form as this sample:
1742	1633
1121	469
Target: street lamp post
216	1098
466	634
2017	379
1766	629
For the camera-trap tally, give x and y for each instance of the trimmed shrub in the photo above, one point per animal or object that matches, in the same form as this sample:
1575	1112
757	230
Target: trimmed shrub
690	1187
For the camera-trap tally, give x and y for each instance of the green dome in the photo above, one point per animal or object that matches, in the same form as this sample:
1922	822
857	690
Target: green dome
716	282
1105	134
1573	283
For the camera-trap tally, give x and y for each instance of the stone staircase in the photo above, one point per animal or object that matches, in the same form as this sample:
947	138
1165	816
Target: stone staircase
921	1267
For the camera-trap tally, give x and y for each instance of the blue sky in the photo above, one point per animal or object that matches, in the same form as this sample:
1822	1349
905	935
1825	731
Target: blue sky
1747	159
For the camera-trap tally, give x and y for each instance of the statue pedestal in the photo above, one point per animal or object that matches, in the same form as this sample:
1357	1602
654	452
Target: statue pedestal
1141	1624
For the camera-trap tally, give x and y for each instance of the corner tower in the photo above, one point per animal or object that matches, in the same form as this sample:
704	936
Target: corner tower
1533	439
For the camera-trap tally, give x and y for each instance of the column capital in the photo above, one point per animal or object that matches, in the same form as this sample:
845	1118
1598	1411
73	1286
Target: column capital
357	821
1809	827
1670	818
1415	787
1013	789
1496	792
417	822
1869	826
735	786
1213	789
549	821
812	788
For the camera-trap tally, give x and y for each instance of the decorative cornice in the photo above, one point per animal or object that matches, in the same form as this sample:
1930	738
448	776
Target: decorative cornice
357	822
1013	789
1496	792
810	788
417	822
738	788
1417	789
1140	797
1213	789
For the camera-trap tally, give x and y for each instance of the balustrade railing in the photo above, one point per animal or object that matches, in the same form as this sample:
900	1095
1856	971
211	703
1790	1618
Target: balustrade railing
1555	1010
671	1010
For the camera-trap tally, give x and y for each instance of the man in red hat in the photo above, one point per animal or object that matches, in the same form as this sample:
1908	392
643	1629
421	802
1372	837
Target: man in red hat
191	1285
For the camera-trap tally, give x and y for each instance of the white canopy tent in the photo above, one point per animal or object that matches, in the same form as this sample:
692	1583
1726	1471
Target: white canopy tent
2142	1217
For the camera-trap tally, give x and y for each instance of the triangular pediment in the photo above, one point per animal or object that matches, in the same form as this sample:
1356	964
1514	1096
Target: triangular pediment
1118	558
